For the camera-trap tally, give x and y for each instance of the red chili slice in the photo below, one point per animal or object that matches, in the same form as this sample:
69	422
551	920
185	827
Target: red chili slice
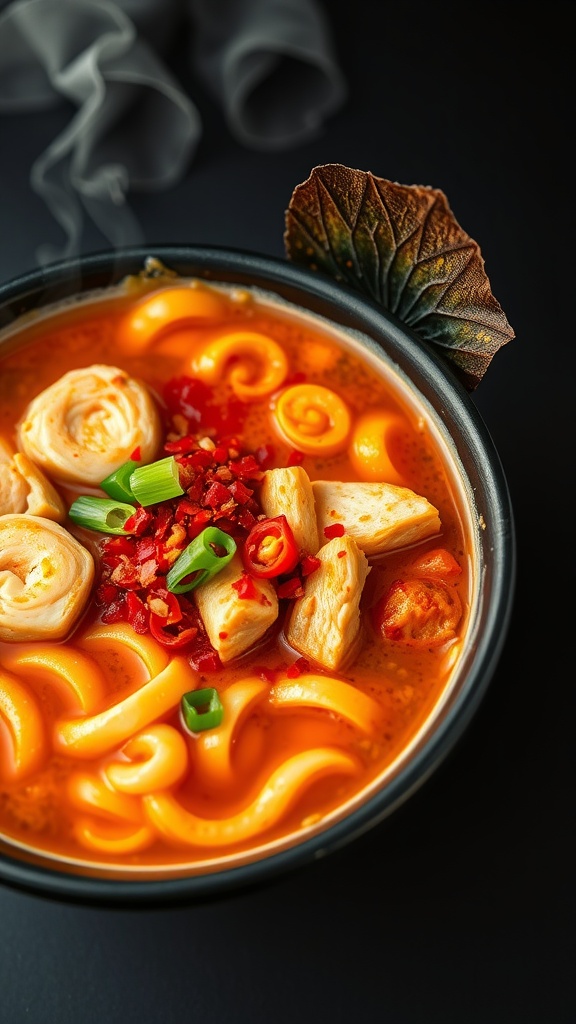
270	549
165	605
170	636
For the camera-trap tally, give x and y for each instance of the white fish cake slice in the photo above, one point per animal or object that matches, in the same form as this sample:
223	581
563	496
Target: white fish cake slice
234	624
325	623
379	516
288	491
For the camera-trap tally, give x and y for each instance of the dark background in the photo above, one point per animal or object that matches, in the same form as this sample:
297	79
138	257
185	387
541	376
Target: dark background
460	908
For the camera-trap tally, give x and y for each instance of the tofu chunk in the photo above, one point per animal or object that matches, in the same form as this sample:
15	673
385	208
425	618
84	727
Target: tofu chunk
379	516
325	623
234	624
289	492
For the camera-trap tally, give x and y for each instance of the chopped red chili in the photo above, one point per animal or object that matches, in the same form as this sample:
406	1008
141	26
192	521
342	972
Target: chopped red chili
291	588
240	492
138	614
297	668
295	458
139	521
116	611
245	588
309	564
218	476
335	530
136	455
264	455
216	495
204	659
119	546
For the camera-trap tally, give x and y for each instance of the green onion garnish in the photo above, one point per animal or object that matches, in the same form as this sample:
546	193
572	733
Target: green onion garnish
117	485
159	481
206	555
101	514
202	709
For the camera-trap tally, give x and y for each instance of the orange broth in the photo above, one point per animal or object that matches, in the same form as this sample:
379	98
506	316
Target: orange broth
36	812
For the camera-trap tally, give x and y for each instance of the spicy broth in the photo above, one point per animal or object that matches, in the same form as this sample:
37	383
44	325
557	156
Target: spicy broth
406	683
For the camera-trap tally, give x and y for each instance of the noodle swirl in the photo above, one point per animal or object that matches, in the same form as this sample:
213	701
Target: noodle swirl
160	759
86	424
254	363
279	793
21	714
45	579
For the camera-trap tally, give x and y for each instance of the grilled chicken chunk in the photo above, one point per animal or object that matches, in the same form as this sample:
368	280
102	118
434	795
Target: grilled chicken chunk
325	623
235	623
289	492
379	516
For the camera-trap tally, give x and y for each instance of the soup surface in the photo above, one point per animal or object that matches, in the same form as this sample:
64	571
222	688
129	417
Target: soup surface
171	697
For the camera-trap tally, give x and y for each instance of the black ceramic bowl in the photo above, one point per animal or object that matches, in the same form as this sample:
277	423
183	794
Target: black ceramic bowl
475	463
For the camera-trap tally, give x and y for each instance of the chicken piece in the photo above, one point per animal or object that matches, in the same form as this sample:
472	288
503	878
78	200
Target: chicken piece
24	488
420	613
289	492
379	516
86	424
45	579
235	623
325	623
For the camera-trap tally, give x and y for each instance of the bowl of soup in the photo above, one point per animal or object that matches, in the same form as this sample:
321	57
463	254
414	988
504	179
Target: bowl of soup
256	571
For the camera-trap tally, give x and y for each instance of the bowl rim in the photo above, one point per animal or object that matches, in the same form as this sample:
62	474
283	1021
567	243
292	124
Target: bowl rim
474	445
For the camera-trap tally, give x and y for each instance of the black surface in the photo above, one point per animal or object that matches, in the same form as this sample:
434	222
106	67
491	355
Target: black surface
460	908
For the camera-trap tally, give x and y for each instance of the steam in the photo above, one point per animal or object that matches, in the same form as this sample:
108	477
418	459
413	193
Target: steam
268	63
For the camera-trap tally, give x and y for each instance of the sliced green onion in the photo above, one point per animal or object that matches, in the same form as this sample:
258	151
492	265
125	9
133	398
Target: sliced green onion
201	557
100	514
159	481
202	709
117	485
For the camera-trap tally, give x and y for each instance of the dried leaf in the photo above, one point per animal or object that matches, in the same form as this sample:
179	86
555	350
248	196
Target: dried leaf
402	246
